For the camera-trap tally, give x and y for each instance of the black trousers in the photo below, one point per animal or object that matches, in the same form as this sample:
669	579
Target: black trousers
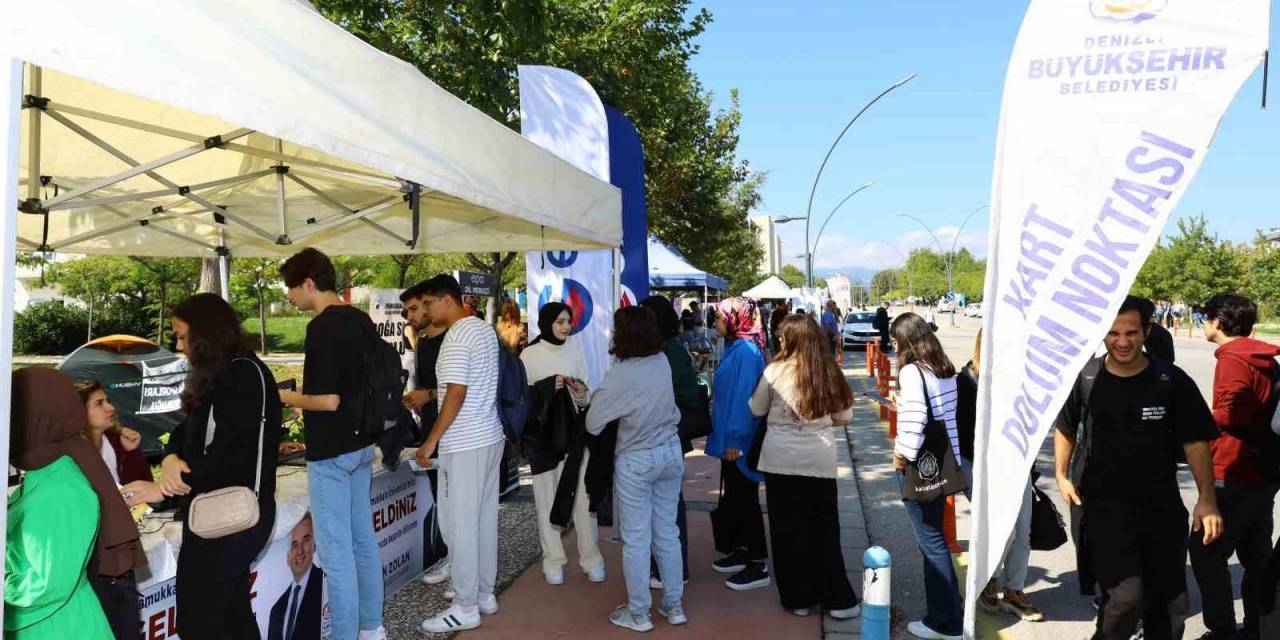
682	521
1269	600
742	498
213	583
1138	552
119	599
1246	517
805	531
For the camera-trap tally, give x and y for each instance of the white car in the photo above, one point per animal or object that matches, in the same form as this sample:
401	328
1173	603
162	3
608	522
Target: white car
946	306
858	328
973	310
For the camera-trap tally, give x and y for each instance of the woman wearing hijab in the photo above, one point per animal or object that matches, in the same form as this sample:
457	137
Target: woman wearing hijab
231	392
552	355
66	498
733	431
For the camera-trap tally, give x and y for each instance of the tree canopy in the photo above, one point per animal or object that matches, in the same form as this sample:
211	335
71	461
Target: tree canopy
636	55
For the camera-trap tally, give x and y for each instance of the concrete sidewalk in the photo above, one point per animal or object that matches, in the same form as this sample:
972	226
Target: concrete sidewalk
533	609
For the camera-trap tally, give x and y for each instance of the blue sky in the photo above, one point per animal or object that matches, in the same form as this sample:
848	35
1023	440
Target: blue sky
803	68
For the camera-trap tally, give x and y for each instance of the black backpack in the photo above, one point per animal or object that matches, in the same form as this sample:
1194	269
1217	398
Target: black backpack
378	403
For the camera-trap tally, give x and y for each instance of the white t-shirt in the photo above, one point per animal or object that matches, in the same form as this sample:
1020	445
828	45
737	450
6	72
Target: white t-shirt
469	356
109	457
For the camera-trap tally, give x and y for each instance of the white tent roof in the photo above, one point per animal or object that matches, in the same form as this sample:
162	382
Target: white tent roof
772	288
135	88
669	270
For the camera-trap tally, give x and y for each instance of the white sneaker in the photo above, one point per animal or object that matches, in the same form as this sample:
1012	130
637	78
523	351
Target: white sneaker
451	620
489	604
655	584
439	572
800	612
554	577
920	630
374	634
597	575
846	614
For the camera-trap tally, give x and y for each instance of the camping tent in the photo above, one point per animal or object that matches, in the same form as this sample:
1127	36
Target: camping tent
773	288
669	270
143	381
257	127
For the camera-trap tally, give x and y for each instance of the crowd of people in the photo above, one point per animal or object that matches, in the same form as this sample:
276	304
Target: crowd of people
617	451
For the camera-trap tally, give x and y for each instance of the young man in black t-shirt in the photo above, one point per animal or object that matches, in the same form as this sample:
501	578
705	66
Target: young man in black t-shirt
422	400
339	459
1127	515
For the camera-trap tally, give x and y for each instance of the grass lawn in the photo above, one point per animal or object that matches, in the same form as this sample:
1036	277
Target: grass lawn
1269	328
284	334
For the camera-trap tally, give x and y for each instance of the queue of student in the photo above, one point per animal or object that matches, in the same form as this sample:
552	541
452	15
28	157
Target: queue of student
1129	420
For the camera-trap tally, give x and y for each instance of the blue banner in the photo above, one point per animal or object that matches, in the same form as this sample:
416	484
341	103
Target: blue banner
626	172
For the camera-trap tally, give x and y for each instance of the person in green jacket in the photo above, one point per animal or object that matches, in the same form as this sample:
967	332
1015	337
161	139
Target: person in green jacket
53	516
689	399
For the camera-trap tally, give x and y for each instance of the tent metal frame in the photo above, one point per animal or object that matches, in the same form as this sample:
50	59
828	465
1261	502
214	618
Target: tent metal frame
77	196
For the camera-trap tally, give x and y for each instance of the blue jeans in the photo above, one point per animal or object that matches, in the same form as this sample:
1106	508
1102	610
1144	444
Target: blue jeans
343	517
945	610
647	488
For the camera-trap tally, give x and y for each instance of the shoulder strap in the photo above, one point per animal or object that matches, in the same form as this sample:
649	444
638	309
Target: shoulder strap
262	425
928	402
1088	376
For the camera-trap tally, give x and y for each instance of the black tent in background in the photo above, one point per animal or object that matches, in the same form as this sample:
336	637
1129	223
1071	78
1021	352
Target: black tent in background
144	382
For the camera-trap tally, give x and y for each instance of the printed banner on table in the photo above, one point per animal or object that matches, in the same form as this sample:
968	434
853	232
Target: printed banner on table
1109	109
289	575
560	112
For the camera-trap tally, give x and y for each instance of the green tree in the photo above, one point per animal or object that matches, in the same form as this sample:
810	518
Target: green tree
792	275
1262	278
636	55
172	280
98	281
255	284
1193	265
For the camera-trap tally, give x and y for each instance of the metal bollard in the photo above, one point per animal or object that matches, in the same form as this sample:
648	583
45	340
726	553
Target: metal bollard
871	359
876	564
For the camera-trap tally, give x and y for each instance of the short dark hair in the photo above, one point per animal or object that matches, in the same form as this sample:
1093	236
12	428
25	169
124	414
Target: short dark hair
1148	309
1134	303
665	313
1235	313
442	286
309	263
416	291
635	333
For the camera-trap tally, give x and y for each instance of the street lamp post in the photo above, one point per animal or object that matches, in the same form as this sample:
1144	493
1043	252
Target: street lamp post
809	208
811	251
947	258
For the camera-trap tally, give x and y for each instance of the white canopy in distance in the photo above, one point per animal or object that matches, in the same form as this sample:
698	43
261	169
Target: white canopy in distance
773	288
256	128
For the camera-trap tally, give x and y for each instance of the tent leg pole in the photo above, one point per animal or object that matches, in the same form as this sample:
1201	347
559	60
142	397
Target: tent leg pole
280	170
33	148
10	139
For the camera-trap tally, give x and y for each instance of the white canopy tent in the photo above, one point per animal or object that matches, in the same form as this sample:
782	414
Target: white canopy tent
773	288
257	127
253	128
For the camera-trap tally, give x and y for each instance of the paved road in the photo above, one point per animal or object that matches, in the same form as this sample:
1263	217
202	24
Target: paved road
1052	582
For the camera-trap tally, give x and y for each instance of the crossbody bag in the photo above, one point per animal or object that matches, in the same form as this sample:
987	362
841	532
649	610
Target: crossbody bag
220	513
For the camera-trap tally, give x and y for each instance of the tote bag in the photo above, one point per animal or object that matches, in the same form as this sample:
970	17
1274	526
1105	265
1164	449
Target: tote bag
935	473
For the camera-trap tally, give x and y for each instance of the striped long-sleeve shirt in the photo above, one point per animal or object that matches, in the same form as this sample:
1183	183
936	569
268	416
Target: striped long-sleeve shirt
911	409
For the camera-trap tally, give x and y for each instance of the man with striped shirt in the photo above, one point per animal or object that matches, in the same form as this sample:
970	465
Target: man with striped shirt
468	433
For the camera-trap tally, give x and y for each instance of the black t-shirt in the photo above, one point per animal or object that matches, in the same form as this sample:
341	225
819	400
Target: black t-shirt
424	376
1138	428
335	343
1160	343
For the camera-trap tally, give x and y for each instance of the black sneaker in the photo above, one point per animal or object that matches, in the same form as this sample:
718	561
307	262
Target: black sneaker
732	563
754	576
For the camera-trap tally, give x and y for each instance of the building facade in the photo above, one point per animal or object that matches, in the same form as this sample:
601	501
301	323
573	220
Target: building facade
771	242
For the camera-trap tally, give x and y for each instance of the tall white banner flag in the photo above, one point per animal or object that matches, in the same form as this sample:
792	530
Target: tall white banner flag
1109	108
560	112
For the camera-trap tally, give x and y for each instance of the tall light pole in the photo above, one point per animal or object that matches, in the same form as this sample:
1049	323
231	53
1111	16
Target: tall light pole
947	258
813	250
906	261
808	264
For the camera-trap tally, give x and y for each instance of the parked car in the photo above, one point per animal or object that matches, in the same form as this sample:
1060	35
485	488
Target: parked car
973	310
858	328
946	306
